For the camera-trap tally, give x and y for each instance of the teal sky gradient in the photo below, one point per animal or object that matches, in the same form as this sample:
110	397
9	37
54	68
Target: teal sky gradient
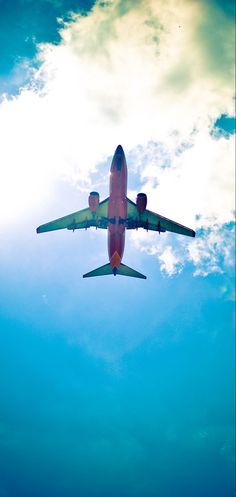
131	383
109	387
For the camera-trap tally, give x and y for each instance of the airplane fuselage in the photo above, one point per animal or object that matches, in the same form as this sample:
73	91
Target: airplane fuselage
117	207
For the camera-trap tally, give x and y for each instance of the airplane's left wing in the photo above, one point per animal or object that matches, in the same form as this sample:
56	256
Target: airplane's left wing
151	221
79	220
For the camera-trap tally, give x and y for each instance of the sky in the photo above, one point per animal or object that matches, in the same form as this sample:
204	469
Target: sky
117	387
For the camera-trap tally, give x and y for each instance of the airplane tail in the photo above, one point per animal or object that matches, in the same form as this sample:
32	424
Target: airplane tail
122	270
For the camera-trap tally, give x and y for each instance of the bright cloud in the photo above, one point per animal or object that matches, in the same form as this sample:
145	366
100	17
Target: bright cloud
169	262
139	74
213	251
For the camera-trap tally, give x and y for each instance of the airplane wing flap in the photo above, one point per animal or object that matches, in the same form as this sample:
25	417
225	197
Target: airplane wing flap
154	222
159	223
79	220
59	224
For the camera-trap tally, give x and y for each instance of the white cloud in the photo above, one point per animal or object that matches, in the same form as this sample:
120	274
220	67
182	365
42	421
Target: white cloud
170	262
140	73
214	251
199	182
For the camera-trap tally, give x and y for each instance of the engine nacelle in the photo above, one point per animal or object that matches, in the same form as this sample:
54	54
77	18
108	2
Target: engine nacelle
141	202
93	201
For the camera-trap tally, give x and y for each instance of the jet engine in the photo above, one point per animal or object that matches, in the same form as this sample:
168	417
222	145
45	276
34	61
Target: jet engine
141	202
93	201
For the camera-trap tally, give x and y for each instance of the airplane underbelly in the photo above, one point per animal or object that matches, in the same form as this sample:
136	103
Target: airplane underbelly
116	244
117	213
117	207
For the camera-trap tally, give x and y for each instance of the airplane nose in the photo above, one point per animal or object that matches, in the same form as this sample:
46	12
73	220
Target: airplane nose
119	150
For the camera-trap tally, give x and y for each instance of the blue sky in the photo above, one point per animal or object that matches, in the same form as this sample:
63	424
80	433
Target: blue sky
117	386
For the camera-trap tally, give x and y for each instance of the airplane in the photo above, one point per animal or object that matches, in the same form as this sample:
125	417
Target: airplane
116	213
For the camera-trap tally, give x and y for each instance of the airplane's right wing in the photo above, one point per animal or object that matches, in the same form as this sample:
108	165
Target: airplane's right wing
151	221
79	220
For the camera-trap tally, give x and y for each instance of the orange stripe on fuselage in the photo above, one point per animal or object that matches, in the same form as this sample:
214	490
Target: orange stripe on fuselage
117	206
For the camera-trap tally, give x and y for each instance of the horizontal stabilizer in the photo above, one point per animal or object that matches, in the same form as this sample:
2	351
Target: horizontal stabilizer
128	271
122	270
100	271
